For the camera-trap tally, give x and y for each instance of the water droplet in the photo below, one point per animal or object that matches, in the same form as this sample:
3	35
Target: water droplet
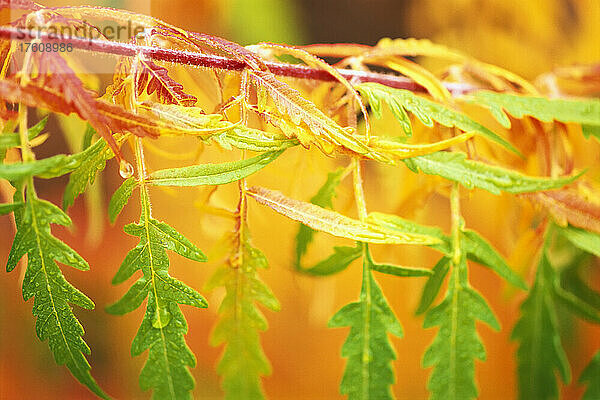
125	169
162	317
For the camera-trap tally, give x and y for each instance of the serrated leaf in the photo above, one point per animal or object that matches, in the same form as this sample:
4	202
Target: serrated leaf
52	293
331	222
243	361
576	305
246	138
399	270
585	112
425	110
341	258
47	168
368	373
120	198
481	251
93	160
325	133
476	247
540	352
455	167
457	344
163	326
211	174
591	374
572	281
12	139
585	240
323	198
433	284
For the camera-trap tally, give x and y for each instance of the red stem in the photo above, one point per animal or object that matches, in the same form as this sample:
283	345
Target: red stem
214	61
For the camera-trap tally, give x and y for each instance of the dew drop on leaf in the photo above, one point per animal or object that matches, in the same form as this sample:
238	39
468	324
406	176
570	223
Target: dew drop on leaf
125	169
162	317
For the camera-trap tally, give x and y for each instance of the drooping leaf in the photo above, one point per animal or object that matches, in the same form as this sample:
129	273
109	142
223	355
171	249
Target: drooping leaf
369	372
52	293
399	270
47	168
341	258
590	375
243	361
427	111
246	138
454	166
540	352
572	281
212	174
93	161
156	79
163	326
11	139
457	344
323	198
335	224
585	112
120	198
481	251
585	240
433	284
475	246
327	134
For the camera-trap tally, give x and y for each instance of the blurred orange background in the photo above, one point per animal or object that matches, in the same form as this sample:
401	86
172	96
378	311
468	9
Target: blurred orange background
527	37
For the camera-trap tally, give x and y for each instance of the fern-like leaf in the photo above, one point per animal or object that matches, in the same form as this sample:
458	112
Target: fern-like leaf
427	111
163	327
243	361
540	351
457	344
456	167
45	282
369	372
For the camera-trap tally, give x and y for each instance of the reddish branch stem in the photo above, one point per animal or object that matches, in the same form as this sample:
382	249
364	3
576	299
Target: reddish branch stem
214	61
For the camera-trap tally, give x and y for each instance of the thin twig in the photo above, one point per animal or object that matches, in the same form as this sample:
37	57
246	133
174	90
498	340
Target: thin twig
219	62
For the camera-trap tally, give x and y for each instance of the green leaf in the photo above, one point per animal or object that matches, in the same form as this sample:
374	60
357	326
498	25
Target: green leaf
540	352
576	305
45	282
457	344
246	138
10	207
425	110
341	258
323	198
571	281
398	270
93	160
243	361
163	326
476	247
120	198
433	284
12	139
46	168
591	374
580	238
369	371
455	167
481	251
591	130
211	174
585	112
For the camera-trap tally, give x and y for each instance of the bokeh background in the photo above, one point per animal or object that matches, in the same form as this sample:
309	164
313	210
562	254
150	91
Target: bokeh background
527	37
